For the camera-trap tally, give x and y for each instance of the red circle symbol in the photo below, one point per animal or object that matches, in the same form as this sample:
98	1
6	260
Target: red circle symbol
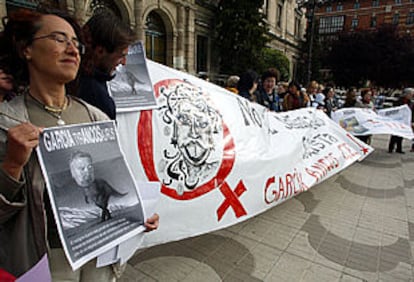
146	151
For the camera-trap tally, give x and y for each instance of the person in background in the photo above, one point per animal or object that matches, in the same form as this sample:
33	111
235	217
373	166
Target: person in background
6	85
267	95
231	83
295	99
378	98
321	87
396	141
312	90
319	102
247	85
107	39
282	89
350	98
331	104
366	103
44	52
304	93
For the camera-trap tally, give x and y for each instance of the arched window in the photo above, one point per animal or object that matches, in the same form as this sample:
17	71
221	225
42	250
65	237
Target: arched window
155	38
98	5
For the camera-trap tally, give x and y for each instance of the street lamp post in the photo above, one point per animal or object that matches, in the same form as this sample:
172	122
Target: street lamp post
310	6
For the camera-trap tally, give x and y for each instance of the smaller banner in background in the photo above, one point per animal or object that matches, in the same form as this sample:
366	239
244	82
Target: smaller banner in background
359	121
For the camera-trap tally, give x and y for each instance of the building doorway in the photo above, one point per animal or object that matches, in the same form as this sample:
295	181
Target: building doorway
155	38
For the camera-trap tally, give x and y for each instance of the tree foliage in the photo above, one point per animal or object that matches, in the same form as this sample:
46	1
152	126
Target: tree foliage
241	35
276	59
383	57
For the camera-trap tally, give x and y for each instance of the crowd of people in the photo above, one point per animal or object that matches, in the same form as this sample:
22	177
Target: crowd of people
279	96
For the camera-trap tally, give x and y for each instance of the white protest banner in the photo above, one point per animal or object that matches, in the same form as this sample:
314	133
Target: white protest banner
359	121
221	159
94	198
402	114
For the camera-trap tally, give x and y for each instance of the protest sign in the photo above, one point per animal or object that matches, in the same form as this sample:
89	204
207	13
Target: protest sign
359	121
131	88
93	195
221	159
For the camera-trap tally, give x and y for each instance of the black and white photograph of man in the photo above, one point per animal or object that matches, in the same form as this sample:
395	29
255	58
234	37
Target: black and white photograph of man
95	191
90	195
93	195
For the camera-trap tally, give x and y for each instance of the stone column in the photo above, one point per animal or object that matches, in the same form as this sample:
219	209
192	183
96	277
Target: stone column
179	61
139	20
190	40
80	11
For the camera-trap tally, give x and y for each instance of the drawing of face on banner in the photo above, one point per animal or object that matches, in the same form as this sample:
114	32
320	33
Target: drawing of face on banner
194	129
187	153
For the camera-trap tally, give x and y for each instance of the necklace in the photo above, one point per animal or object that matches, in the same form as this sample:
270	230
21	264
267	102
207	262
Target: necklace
53	111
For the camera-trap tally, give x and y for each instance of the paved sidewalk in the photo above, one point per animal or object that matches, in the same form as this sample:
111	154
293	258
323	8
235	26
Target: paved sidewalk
356	226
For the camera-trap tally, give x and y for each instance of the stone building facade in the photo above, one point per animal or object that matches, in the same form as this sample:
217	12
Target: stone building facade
349	15
178	33
287	25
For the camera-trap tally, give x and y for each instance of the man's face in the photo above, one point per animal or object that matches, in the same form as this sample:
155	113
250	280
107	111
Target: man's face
82	171
107	62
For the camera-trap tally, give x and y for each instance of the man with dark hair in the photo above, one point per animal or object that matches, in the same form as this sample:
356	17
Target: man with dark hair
247	85
107	39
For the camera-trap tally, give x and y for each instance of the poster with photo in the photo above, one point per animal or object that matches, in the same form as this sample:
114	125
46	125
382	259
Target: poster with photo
131	87
92	192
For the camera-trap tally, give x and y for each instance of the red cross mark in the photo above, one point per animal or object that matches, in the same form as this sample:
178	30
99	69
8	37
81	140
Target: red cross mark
232	200
363	149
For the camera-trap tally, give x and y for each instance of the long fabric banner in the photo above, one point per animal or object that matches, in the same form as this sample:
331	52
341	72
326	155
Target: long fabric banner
358	121
221	159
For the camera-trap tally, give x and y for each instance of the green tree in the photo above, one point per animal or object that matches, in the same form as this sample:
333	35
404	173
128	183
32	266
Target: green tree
383	57
276	59
241	35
